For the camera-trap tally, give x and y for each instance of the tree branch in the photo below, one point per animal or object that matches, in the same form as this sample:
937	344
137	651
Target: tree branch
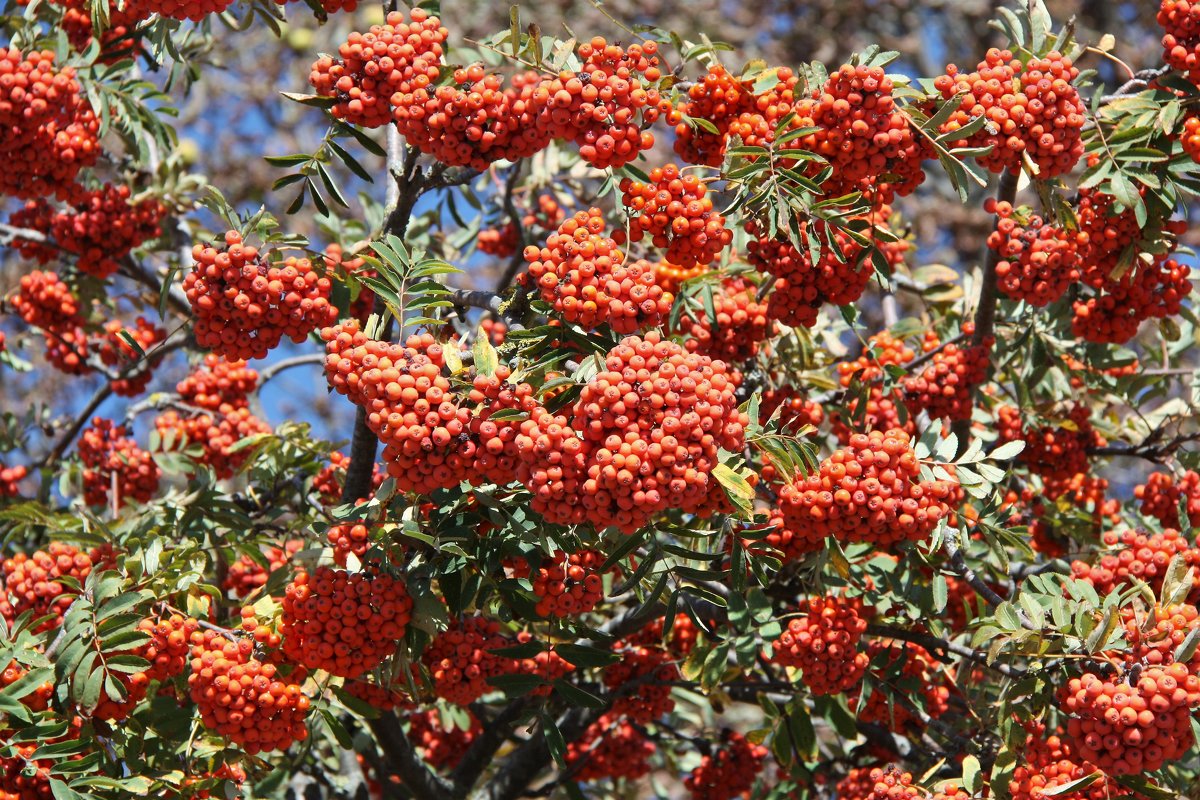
985	312
934	645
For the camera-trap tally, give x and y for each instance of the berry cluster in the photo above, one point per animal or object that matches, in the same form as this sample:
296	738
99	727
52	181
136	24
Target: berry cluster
1054	452
344	623
396	58
389	74
349	538
217	435
98	227
1050	763
719	99
503	242
680	642
441	746
565	585
112	461
822	642
740	324
1180	21
671	276
728	772
869	492
221	388
459	661
384	698
911	673
611	747
242	697
10	479
49	129
1135	723
590	282
795	409
944	388
1039	261
878	783
33	582
1127	289
674	210
246	575
1032	110
433	438
45	302
1161	494
1137	555
167	651
1155	635
643	437
244	307
869	143
651	670
839	276
115	351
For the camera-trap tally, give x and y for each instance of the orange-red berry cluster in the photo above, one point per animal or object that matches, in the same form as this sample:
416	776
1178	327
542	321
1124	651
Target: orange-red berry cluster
1125	293
1155	635
434	436
913	673
591	282
45	302
945	386
49	130
1039	261
877	783
1054	452
869	143
219	387
1180	21
1137	555
1132	724
741	323
344	623
459	661
1049	763
822	642
1032	110
246	575
650	669
441	746
611	747
503	241
869	492
167	651
243	697
795	409
98	227
1162	493
115	351
32	582
244	306
113	462
839	276
884	408
643	437
10	479
675	211
389	74
565	585
729	772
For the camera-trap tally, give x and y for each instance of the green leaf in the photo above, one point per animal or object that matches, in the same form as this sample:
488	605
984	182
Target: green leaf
585	656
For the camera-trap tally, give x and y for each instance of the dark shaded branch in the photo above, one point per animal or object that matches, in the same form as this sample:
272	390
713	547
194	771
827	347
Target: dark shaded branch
985	312
935	645
485	746
404	761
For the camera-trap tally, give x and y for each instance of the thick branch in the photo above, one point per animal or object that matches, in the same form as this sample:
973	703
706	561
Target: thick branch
934	645
403	760
985	312
290	363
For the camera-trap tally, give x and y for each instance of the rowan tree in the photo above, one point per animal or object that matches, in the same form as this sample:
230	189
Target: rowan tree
644	447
